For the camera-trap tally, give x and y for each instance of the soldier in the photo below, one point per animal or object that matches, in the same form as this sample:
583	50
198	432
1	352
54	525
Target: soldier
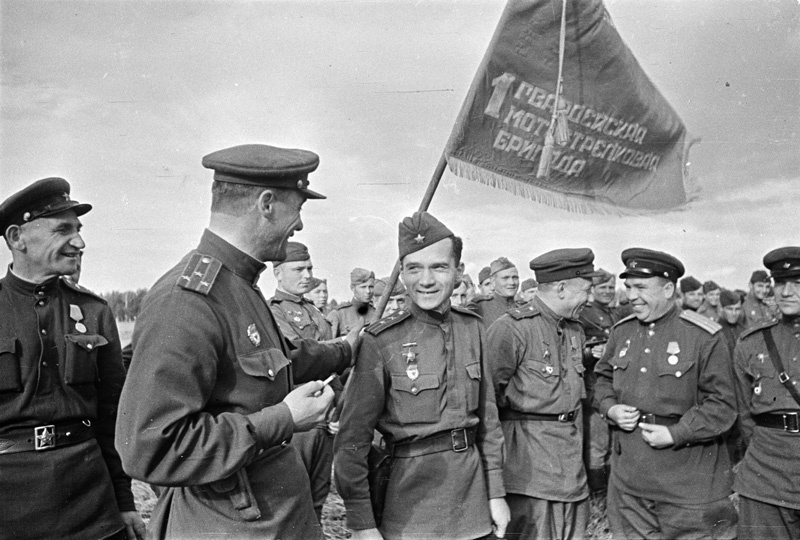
359	310
597	318
535	354
209	406
485	282
692	291
506	282
318	294
459	296
298	318
768	480
710	307
397	299
60	378
528	290
731	317
755	310
421	379
664	382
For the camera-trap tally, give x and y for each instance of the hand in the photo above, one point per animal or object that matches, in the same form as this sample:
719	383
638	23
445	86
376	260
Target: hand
598	350
367	534
307	408
333	427
656	436
625	416
501	515
352	336
134	526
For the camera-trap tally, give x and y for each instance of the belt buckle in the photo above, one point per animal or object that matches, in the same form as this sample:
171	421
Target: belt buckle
791	422
566	417
783	377
459	439
44	437
647	418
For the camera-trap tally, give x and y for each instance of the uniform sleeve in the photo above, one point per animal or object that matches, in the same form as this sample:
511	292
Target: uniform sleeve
604	395
313	360
490	434
363	406
333	318
504	354
715	409
111	376
164	436
743	383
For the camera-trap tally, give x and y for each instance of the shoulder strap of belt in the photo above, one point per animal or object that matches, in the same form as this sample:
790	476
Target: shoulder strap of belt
776	361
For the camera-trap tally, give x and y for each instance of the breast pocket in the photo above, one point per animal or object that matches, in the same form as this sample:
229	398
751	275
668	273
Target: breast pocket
474	376
10	375
415	401
265	363
677	370
81	358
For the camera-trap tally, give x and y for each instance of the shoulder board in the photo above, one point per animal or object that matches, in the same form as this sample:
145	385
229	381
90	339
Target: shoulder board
481	298
759	328
703	322
624	319
344	305
463	310
387	322
200	273
524	312
83	290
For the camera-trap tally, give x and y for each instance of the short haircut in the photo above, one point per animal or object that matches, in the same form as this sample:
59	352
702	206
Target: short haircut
236	199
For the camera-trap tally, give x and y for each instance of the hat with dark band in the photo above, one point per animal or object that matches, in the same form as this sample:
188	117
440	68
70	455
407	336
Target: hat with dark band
783	262
419	231
42	198
690	284
561	264
648	263
264	166
295	252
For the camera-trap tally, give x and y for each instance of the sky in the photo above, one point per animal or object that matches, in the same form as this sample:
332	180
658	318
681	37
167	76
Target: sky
124	98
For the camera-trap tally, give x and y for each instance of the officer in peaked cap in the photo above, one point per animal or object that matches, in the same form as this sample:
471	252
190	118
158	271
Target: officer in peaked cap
767	375
505	280
210	404
422	381
670	469
60	377
692	291
535	355
755	309
359	310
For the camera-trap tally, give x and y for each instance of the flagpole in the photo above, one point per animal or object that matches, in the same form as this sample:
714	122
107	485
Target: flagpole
423	206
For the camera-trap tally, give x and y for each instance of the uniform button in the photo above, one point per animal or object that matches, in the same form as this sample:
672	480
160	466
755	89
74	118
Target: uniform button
647	351
44	363
414	390
41	302
44	332
284	443
678	373
271	373
644	369
89	346
40	293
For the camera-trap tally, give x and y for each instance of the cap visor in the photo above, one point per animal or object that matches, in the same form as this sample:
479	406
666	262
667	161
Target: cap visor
312	194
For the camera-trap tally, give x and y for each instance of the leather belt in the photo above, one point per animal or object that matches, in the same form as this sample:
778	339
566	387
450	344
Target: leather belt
457	440
787	421
510	414
649	418
46	437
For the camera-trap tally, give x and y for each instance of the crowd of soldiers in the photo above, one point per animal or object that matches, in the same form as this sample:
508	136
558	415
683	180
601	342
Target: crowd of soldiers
496	408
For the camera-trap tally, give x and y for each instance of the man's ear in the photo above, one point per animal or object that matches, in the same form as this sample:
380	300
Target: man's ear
669	290
266	203
14	238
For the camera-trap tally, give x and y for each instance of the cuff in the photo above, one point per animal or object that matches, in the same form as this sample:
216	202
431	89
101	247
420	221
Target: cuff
495	484
359	514
605	405
681	435
272	425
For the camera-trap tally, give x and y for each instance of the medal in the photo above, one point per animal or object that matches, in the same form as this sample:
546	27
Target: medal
412	368
412	371
76	315
673	349
253	334
80	327
624	350
672	360
548	370
757	389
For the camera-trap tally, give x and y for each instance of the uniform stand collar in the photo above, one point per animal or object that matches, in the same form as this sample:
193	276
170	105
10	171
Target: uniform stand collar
234	259
430	316
283	295
16	283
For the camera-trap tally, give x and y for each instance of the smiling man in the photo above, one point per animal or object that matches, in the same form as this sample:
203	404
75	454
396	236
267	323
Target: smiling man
60	378
505	280
769	403
210	405
754	308
359	310
664	383
421	379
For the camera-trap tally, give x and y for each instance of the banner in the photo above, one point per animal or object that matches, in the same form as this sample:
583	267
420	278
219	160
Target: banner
627	148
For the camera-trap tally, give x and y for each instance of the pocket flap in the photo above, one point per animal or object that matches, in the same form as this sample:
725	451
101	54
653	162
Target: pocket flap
265	363
676	370
88	342
8	345
619	362
474	371
425	381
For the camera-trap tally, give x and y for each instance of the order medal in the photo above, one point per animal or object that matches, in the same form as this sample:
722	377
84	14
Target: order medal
412	368
673	349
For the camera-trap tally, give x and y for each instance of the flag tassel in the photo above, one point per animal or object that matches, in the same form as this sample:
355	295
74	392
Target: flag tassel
547	155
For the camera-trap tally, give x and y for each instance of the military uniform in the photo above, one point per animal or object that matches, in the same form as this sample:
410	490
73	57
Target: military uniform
298	318
349	315
755	312
490	308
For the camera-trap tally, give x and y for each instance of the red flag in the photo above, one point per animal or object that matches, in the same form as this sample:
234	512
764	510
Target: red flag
622	146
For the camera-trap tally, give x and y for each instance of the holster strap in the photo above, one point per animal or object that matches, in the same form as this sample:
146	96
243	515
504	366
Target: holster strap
457	440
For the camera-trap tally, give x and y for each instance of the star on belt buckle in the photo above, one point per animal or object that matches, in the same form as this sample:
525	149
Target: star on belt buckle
44	437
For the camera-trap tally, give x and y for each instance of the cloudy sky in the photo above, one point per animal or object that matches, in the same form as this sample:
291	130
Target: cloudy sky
124	98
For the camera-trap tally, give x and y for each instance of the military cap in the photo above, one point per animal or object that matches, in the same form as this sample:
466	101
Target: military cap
295	252
264	166
42	198
728	298
759	276
360	275
380	287
316	282
689	284
529	283
602	276
500	264
647	263
484	274
564	264
420	231
783	262
709	286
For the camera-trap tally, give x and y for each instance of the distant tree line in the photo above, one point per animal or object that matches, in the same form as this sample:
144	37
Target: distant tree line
125	304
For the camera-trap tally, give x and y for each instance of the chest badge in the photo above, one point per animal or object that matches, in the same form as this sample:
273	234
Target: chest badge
76	315
757	389
253	335
410	356
673	349
624	350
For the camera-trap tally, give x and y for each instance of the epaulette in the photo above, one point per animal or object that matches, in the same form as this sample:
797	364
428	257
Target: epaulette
760	327
343	305
387	322
465	311
480	298
703	322
200	273
624	319
83	290
524	312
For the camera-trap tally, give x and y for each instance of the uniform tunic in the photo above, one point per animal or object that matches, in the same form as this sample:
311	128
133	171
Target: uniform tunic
298	317
770	470
755	312
443	494
490	308
672	367
536	359
60	363
201	411
346	316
